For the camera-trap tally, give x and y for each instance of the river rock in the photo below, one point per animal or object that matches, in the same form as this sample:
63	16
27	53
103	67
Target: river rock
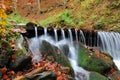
92	61
5	52
96	76
53	51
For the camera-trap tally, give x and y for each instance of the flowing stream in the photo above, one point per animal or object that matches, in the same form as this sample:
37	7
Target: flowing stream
34	46
108	42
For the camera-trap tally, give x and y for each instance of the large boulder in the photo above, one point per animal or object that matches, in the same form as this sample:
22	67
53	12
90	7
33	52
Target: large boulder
55	54
96	76
93	61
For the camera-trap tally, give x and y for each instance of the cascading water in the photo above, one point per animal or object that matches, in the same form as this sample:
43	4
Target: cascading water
80	74
70	35
34	46
73	60
63	34
45	32
76	34
56	36
109	43
82	37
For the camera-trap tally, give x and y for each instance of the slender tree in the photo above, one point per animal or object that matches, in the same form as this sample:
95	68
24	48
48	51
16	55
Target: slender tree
15	6
39	7
64	2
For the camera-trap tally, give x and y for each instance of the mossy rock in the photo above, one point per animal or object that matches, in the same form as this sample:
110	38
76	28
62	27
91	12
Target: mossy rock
89	61
55	54
97	76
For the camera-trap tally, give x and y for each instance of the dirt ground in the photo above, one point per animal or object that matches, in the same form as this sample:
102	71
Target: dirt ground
48	8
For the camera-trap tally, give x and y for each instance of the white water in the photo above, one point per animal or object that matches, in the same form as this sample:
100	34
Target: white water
45	32
34	46
63	34
80	73
110	43
76	35
70	35
36	33
82	37
56	36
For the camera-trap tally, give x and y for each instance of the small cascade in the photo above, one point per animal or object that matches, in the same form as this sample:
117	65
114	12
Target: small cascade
70	35
55	33
63	34
76	35
82	37
45	32
109	43
35	45
80	73
36	33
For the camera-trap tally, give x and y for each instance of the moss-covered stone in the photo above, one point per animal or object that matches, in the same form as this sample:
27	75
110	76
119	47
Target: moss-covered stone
97	76
54	53
90	61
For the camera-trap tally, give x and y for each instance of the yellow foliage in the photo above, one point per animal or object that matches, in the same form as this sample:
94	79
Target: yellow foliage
3	20
3	17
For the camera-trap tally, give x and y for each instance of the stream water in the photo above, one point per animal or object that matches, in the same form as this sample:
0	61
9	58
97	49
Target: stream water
108	42
35	44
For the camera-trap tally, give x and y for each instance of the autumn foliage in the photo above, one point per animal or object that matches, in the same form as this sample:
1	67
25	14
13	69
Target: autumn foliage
61	72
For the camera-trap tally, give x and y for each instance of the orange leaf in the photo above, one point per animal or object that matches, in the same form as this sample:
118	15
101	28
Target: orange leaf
5	77
3	70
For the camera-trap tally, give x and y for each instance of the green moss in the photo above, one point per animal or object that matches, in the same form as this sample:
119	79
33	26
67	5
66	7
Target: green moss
96	76
89	61
16	17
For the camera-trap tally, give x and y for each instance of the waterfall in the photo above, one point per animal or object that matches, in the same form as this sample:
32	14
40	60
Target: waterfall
36	33
45	32
56	36
34	47
76	35
80	73
70	35
82	37
63	34
110	44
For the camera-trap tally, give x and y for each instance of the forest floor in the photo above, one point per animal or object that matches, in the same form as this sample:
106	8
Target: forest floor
90	14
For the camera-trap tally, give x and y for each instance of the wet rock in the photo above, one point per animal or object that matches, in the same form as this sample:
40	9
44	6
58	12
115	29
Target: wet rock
30	30
65	49
5	52
91	61
97	76
55	52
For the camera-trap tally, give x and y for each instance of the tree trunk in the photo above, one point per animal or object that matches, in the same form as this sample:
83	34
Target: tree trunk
39	1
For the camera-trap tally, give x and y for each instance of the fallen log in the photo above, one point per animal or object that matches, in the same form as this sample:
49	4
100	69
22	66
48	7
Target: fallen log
38	70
